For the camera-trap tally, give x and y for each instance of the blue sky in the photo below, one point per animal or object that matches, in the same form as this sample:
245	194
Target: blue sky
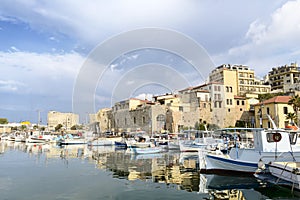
45	43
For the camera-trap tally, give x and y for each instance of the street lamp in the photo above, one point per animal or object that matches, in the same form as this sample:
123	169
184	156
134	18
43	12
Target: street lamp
260	116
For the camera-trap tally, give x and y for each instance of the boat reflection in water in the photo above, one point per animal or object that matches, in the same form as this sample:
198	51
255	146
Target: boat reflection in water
170	171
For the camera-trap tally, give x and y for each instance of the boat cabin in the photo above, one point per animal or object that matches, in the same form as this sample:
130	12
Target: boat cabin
276	140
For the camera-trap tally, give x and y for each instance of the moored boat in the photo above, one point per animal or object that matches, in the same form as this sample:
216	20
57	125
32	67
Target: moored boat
269	146
147	150
288	171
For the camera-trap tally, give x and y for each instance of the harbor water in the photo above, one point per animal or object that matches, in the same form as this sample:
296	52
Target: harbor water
74	172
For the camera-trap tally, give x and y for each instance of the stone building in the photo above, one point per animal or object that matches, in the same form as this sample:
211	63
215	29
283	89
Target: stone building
104	118
67	120
138	115
197	106
174	108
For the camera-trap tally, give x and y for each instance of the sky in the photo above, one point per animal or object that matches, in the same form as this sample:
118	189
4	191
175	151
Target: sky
44	45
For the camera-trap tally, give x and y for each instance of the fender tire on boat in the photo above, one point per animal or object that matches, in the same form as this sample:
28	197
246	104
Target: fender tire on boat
277	137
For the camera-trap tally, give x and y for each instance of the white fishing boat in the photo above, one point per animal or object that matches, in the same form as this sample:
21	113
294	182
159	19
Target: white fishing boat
269	146
35	139
204	141
104	141
69	139
139	140
288	171
146	150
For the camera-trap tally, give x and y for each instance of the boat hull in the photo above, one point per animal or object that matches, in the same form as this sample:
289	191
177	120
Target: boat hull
221	163
288	171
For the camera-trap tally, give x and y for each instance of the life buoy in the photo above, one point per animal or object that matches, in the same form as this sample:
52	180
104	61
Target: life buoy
277	137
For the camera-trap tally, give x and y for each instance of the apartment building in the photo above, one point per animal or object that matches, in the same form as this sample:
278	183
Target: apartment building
238	79
285	78
66	119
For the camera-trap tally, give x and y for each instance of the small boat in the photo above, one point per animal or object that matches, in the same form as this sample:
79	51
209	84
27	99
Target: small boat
288	171
146	150
35	139
69	139
104	141
120	144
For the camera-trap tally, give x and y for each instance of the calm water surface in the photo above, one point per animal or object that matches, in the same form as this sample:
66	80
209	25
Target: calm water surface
77	172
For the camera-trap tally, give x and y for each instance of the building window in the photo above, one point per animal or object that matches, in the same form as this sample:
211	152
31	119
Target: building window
125	121
220	104
285	110
241	109
228	109
134	120
230	89
227	89
227	101
268	111
204	105
144	120
238	102
243	102
215	104
181	108
230	101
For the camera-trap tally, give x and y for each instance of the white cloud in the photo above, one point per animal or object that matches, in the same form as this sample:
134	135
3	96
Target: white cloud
10	85
94	20
39	73
269	42
14	48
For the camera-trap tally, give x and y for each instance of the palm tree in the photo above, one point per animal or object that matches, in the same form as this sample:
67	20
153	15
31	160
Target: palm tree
295	102
292	117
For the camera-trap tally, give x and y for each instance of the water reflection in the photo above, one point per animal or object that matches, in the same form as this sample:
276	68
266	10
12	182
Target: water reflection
174	169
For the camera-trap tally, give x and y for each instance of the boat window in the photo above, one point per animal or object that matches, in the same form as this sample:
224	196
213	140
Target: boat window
293	138
274	137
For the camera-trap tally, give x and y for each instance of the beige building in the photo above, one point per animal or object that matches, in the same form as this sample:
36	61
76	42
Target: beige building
277	107
66	119
104	118
138	115
285	78
5	128
238	80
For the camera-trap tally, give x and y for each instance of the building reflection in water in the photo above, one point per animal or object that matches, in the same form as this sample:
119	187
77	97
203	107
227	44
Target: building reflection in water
172	168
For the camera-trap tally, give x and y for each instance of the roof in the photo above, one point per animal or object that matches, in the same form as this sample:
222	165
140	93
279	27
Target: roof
277	99
203	85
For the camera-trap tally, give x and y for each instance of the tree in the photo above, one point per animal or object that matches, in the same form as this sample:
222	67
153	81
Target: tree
263	97
295	102
23	127
3	121
58	127
292	117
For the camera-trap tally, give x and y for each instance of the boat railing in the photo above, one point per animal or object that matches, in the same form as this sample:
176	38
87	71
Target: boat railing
282	156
